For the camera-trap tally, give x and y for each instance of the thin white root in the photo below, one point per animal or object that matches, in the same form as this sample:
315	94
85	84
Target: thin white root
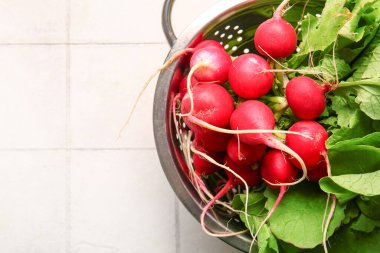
208	158
325	213
333	204
189	90
206	125
278	12
164	66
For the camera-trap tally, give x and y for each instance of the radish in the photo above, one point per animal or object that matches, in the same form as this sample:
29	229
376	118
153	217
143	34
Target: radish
183	85
212	141
243	154
211	103
305	97
318	173
275	37
311	150
202	166
249	76
276	168
210	64
253	114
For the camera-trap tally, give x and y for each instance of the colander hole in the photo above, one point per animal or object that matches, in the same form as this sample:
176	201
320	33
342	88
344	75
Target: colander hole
234	48
216	33
176	136
183	125
222	35
180	147
226	46
298	49
221	43
299	29
240	31
318	15
239	39
227	27
299	23
236	27
230	36
305	16
246	51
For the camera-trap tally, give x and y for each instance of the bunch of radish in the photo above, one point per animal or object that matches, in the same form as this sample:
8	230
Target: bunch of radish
239	140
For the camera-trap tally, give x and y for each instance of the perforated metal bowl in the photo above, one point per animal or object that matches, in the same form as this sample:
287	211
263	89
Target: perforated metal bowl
233	23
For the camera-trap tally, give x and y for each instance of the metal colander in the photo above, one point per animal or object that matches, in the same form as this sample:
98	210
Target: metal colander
232	23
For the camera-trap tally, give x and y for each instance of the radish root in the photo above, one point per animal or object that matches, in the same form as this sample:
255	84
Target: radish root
332	209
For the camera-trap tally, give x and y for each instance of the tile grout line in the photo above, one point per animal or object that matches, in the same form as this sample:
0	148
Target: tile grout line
76	149
177	235
67	131
83	43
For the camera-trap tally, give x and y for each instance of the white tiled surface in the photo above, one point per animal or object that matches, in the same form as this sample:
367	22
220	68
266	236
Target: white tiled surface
70	71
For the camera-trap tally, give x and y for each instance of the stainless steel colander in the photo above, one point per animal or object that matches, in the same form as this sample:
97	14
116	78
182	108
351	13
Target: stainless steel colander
232	23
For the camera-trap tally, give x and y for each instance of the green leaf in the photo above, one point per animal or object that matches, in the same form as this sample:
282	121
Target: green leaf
368	98
353	159
346	187
347	240
345	108
360	125
370	206
365	224
298	218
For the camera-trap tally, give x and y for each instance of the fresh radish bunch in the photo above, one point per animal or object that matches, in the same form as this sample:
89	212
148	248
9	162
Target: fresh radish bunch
306	98
249	76
275	37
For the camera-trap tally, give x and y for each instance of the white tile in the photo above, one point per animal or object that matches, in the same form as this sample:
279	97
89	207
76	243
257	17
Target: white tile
33	96
116	21
131	21
193	239
32	195
33	21
105	82
121	202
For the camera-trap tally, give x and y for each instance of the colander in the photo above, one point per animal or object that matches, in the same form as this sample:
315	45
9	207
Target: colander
232	23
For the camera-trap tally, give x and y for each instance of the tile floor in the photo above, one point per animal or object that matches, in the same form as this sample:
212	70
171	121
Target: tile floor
69	73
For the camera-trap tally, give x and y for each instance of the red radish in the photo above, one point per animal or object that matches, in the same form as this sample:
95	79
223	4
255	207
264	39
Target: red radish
276	168
212	141
183	85
248	78
318	173
203	167
311	150
210	64
212	104
253	114
244	154
305	97
185	60
275	37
